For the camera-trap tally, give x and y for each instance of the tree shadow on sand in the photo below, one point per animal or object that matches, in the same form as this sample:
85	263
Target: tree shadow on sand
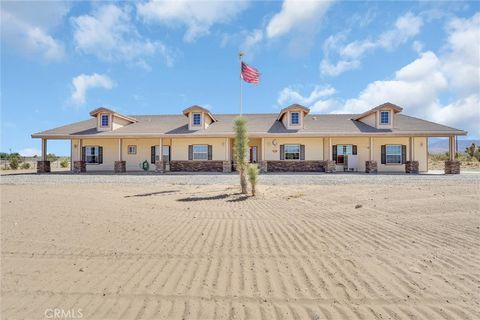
216	197
151	193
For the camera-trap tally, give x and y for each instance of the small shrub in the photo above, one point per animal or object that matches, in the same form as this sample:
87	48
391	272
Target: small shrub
25	165
14	162
64	163
253	177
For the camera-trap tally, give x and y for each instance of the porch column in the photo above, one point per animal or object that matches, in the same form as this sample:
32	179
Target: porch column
371	165
263	162
44	149
159	165
227	164
79	165
411	166
43	166
329	163
120	165
452	166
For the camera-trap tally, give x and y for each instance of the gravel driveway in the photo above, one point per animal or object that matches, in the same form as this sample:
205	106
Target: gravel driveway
225	179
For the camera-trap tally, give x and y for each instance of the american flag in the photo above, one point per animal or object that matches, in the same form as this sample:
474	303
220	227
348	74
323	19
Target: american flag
250	74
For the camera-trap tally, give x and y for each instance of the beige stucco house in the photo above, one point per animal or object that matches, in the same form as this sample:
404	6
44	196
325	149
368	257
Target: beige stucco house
381	139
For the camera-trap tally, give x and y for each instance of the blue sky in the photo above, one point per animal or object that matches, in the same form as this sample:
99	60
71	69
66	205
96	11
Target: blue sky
59	60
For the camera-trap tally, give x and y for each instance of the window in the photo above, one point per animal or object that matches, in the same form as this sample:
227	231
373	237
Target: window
104	120
393	154
200	152
197	119
385	117
342	151
292	151
92	155
295	118
132	149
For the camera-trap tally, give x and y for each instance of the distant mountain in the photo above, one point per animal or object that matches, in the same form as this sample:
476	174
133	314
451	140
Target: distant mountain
437	145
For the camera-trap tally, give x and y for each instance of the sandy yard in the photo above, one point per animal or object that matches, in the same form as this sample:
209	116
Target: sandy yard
371	249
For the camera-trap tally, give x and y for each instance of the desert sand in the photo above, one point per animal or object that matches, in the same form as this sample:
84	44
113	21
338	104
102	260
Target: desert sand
166	251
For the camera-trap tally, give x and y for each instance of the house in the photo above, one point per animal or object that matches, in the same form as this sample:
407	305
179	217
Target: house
381	139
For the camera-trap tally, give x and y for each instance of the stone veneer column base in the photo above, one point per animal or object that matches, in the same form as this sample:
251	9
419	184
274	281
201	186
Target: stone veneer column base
452	167
227	166
159	166
120	166
371	166
330	166
43	166
411	167
263	165
79	166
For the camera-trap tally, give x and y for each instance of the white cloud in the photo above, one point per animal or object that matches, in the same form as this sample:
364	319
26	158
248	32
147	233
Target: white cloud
30	152
417	46
421	86
82	83
25	27
291	95
252	39
350	55
297	15
109	34
197	16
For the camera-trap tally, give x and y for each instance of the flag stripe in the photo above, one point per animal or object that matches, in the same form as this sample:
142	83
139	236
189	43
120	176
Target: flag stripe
250	74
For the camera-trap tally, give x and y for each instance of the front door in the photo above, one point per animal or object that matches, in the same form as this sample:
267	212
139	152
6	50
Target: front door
252	158
166	157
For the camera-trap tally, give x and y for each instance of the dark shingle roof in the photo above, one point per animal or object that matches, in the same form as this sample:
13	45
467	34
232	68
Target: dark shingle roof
258	124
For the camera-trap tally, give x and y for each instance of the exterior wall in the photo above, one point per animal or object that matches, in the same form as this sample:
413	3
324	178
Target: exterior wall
179	147
313	147
420	153
377	155
119	122
371	120
363	150
110	153
99	122
133	161
392	119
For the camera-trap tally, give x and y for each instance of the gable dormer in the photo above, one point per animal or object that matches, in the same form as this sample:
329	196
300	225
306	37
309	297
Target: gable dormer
199	118
380	117
292	116
108	120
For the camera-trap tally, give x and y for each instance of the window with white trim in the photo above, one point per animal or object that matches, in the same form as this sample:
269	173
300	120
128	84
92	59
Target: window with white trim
385	117
104	120
197	119
132	149
393	154
200	152
295	118
92	155
292	151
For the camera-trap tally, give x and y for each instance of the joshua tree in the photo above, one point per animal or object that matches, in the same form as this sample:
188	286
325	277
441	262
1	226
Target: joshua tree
253	177
240	147
471	150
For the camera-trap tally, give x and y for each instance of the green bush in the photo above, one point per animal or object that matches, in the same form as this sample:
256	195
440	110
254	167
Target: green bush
25	165
64	163
253	177
14	162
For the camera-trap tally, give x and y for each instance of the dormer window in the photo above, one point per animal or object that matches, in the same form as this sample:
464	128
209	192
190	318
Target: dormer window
197	119
295	118
384	117
104	120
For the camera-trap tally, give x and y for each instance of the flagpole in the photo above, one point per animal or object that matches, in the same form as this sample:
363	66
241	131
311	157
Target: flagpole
240	55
